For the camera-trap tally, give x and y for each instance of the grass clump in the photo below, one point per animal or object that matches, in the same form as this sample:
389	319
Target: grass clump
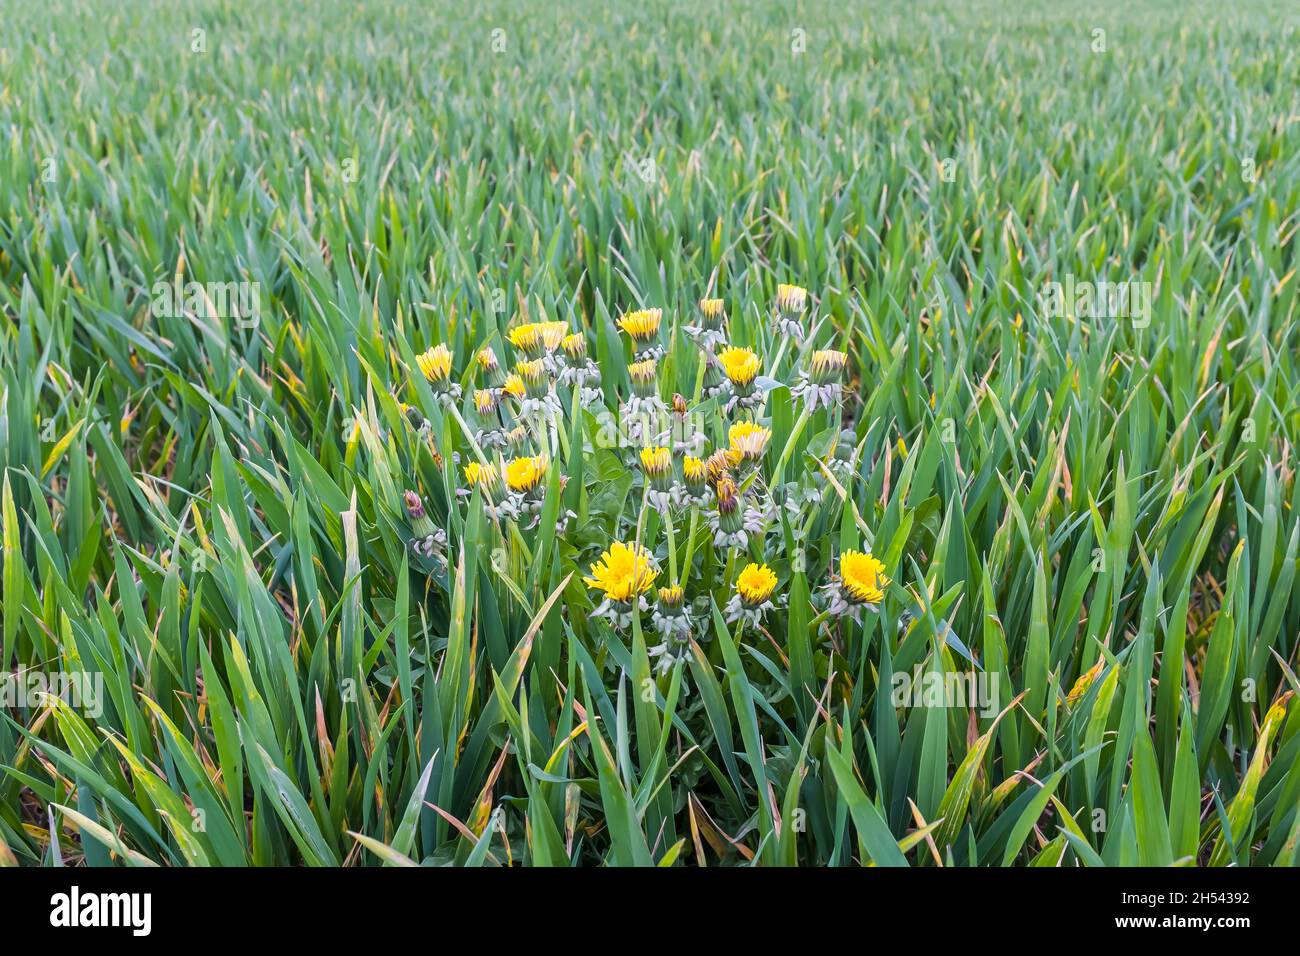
641	435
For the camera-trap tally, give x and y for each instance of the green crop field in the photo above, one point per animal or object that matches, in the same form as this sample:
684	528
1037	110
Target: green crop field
660	433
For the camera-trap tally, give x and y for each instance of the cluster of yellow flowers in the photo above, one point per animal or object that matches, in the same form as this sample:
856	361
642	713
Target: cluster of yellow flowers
517	415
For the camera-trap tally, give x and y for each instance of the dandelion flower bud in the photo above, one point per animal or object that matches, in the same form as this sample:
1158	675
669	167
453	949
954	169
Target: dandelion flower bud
720	464
707	333
414	506
575	346
435	364
514	386
712	313
671	597
482	477
533	375
517	437
732	523
578	371
714	380
644	378
527	339
488	365
426	539
657	462
695	475
791	300
642	326
820	385
728	496
828	365
552	333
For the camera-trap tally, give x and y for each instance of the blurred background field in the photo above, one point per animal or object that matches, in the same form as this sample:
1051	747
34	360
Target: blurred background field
209	513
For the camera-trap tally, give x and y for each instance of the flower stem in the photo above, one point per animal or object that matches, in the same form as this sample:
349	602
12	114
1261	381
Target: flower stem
790	442
469	435
640	518
690	540
672	546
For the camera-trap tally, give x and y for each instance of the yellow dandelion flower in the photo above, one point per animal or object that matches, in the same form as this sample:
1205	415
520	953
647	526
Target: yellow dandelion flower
485	401
863	577
526	473
623	572
435	364
693	469
487	360
749	439
740	365
756	583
